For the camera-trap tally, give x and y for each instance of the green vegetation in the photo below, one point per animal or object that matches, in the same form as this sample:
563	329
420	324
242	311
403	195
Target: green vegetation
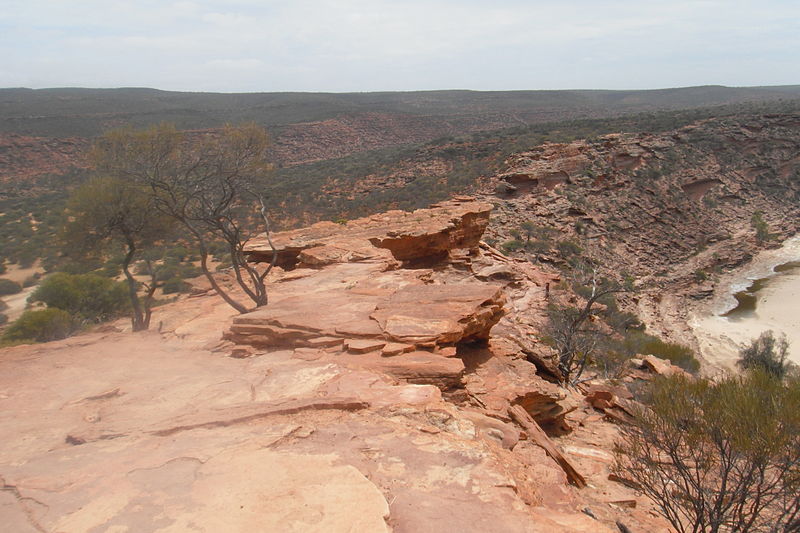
718	456
207	185
41	325
638	342
760	226
107	212
87	297
767	354
8	287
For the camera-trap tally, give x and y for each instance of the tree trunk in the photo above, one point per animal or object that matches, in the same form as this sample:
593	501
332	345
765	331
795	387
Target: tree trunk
137	320
210	277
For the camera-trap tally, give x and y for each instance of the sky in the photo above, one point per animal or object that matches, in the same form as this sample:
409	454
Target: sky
383	45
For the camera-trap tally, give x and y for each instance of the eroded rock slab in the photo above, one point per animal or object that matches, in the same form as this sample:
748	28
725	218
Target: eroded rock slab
405	235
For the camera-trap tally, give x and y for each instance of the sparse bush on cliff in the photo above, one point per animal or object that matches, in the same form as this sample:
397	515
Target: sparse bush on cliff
638	342
766	353
573	331
41	325
8	287
512	246
716	457
761	227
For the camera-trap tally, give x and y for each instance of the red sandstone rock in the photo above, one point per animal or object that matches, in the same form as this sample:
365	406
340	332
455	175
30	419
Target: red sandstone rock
419	234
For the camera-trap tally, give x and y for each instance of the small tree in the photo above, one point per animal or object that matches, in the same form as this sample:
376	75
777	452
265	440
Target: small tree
573	329
761	227
768	354
204	182
717	457
108	211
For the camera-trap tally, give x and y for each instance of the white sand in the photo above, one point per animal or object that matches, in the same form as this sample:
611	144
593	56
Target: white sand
777	309
16	303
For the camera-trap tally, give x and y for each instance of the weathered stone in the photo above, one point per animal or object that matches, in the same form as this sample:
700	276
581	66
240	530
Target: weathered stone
396	348
413	367
422	233
325	342
440	313
662	367
363	345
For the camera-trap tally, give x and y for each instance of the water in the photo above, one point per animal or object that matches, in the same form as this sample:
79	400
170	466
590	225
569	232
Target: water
747	299
764	295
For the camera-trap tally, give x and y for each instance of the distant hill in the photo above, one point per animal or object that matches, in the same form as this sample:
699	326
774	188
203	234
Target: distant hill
75	112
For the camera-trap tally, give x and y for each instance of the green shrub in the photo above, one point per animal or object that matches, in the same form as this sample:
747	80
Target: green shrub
9	287
175	285
761	227
2	266
538	246
30	281
768	354
511	246
41	325
717	456
88	296
637	342
569	248
3	319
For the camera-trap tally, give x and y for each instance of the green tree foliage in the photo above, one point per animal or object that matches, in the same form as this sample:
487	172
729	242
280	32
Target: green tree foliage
761	227
718	456
108	212
766	353
41	325
8	287
202	182
85	296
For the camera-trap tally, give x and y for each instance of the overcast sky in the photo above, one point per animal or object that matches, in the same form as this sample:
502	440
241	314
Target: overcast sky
371	45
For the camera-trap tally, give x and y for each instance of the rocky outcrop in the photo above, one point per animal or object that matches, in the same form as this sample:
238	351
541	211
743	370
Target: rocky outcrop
672	210
425	233
371	394
344	288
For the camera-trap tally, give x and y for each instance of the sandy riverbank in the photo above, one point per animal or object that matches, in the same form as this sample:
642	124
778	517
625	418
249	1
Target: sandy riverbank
777	308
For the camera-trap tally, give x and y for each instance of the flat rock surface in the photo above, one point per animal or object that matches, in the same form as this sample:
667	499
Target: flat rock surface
150	432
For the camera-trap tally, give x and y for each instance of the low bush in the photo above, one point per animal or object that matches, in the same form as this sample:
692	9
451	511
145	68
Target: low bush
8	287
41	325
175	285
637	342
717	456
86	296
511	246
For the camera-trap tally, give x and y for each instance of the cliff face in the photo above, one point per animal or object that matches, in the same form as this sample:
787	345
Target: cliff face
23	157
670	210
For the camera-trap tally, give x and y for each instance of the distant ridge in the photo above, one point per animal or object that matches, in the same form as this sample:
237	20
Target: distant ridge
85	112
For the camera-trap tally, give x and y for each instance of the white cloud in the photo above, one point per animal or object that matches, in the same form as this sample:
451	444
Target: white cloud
384	44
